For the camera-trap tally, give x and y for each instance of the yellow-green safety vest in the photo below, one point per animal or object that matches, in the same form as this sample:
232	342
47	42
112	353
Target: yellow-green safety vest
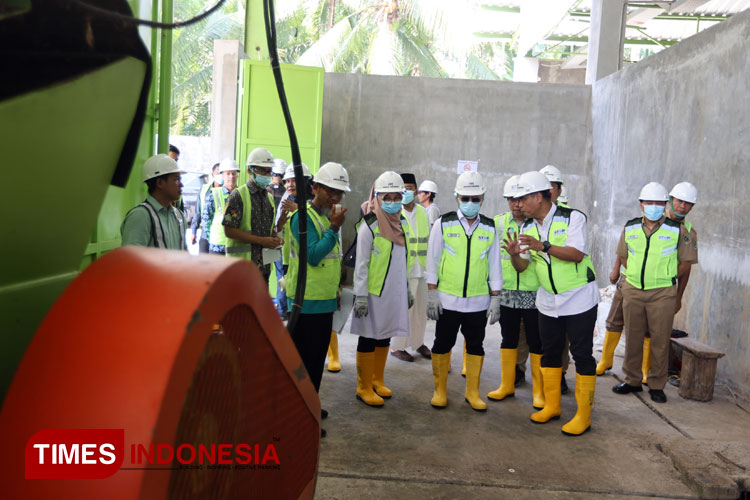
513	280
465	262
558	276
652	260
562	204
419	235
322	282
216	234
237	248
380	253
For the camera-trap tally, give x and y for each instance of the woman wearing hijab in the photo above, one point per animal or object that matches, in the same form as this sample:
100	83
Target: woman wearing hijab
380	285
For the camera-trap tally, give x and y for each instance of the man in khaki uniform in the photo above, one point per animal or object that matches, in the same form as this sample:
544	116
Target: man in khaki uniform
655	251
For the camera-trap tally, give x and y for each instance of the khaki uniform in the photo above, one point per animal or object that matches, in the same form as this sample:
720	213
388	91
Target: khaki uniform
651	312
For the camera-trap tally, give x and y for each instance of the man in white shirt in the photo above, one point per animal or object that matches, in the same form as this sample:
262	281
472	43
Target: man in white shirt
567	300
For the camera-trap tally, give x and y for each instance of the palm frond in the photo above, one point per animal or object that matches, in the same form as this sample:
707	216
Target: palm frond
323	52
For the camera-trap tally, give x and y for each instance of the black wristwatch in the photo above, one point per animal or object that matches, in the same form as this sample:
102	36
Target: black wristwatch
547	245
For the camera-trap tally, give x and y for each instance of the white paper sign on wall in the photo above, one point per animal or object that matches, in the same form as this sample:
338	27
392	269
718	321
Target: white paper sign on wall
467	166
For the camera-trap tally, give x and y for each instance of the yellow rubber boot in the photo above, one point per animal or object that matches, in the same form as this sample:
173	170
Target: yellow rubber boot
365	369
441	363
585	386
611	339
473	373
551	379
334	365
378	376
646	364
537	386
508	358
463	363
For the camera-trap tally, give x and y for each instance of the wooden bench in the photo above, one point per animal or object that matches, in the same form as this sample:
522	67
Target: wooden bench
698	369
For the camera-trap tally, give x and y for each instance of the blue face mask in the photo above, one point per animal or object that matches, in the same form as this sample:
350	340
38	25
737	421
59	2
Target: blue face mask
470	209
391	207
262	181
408	197
220	180
653	212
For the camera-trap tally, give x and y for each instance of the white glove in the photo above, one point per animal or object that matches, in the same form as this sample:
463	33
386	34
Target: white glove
434	309
361	306
282	284
409	295
494	311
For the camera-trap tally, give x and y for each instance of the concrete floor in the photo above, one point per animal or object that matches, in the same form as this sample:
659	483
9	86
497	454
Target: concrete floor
408	449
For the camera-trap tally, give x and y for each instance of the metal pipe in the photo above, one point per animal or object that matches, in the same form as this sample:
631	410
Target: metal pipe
165	78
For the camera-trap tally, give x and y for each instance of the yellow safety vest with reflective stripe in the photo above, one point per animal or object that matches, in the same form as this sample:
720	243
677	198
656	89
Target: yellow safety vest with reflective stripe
322	282
652	260
562	204
513	280
237	248
465	262
419	235
558	276
216	234
380	253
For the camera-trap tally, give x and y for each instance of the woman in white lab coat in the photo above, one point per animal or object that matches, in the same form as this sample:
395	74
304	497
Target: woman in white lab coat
382	297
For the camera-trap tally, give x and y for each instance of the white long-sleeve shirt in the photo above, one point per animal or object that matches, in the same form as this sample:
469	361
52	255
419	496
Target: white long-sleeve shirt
434	255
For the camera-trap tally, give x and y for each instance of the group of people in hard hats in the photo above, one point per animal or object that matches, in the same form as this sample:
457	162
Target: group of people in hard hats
527	268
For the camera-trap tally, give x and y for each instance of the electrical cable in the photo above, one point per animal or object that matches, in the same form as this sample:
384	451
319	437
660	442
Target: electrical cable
100	12
270	23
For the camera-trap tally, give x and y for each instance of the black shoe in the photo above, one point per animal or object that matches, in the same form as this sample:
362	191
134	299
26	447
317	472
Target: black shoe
323	432
657	395
323	413
403	355
563	385
520	377
626	388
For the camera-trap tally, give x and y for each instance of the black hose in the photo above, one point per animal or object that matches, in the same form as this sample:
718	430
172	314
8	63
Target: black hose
299	176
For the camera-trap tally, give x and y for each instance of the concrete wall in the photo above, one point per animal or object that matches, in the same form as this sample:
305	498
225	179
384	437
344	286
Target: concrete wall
376	123
684	114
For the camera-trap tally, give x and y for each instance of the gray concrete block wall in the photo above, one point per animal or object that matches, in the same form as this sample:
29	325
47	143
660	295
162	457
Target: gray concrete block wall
422	125
684	114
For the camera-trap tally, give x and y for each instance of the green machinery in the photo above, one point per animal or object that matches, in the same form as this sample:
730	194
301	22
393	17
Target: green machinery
60	149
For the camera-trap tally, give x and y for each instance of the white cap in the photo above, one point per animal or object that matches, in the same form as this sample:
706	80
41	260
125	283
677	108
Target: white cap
159	165
389	182
532	182
685	191
563	198
653	191
289	173
553	173
428	186
279	167
511	186
228	164
260	157
469	184
333	175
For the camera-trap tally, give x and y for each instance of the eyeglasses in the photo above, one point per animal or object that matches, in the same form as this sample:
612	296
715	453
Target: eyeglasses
466	199
332	192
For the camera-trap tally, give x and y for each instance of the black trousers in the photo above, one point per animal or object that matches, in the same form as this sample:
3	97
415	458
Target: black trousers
472	328
580	330
202	245
510	324
311	336
368	345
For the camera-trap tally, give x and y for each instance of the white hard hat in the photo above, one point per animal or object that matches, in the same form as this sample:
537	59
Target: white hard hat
159	165
333	175
279	167
685	191
260	157
428	186
289	173
469	184
653	191
532	182
553	173
389	182
228	164
563	198
511	186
